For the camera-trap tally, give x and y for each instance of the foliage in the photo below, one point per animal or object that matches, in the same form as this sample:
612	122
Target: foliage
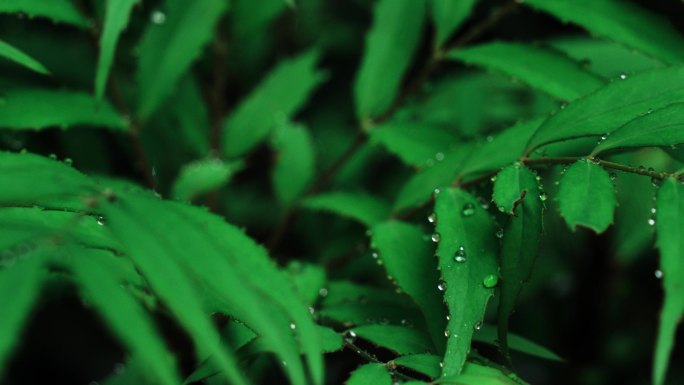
243	187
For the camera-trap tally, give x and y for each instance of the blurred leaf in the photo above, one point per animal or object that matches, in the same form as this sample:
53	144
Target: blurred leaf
126	317
168	49
467	251
308	279
61	11
11	53
331	341
283	92
542	68
295	161
475	374
370	374
116	20
361	207
345	291
612	106
409	259
669	227
33	109
249	20
203	176
516	191
488	334
399	339
390	45
190	117
663	127
448	15
415	144
586	196
624	22
427	364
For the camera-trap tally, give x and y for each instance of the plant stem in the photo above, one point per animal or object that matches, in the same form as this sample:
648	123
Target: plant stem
603	163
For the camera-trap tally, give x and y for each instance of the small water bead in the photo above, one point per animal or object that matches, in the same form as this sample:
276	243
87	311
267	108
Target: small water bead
375	255
490	281
489	138
441	364
543	197
499	233
468	210
653	210
613	176
446	333
435	237
312	310
478	325
441	286
448	317
158	17
432	218
658	274
651	221
323	292
439	156
623	76
293	326
460	255
100	221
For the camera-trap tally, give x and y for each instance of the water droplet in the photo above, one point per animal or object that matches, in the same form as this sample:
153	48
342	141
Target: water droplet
437	191
658	274
323	292
441	364
489	138
158	17
432	218
499	233
435	237
653	210
543	197
446	333
478	325
460	255
101	221
52	156
651	221
490	281
468	210
312	310
68	161
441	286
439	156
613	176
293	326
375	255
493	179
623	76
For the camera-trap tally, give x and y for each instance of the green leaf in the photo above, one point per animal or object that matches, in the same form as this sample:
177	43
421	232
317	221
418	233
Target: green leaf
61	11
475	374
399	339
467	252
20	286
124	315
488	334
9	52
612	106
415	144
517	192
408	258
621	21
427	364
203	176
283	92
331	341
663	127
390	45
586	196
361	207
33	109
167	50
308	279
542	68
448	15
294	168
370	374
188	111
669	227
116	20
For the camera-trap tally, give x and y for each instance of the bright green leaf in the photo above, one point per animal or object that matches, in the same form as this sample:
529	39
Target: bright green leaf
475	374
413	143
400	339
362	207
586	196
448	15
203	176
370	374
62	11
488	334
9	52
294	168
427	364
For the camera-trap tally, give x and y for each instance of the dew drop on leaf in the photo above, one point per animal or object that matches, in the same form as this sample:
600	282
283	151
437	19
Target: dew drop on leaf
478	325
441	286
460	255
468	210
158	17
658	274
490	281
435	237
293	326
499	233
432	218
651	222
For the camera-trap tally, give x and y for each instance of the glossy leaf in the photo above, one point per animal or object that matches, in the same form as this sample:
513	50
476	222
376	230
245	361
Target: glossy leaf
390	45
623	22
467	252
116	20
203	176
414	144
61	11
488	334
370	374
612	106
294	167
399	339
448	15
409	259
124	315
663	127
475	374
168	49
282	93
11	53
34	109
361	207
542	68
427	364
586	196
669	227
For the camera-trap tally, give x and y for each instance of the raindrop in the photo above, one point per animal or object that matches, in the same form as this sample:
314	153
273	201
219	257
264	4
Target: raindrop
543	197
490	281
435	237
446	333
293	326
323	292
448	317
439	156
441	286
478	325
68	161
651	222
375	255
623	76
653	210
52	156
460	255
158	17
437	191
432	218
100	221
441	364
489	138
311	310
499	233
468	210
658	274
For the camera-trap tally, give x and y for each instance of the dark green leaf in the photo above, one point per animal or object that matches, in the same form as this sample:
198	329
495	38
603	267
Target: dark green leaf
427	364
294	168
488	334
409	259
586	196
9	52
475	374
116	20
62	11
448	15
362	207
541	68
277	98
203	176
26	109
390	45
370	374
399	339
415	144
669	227
621	21
467	252
168	49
